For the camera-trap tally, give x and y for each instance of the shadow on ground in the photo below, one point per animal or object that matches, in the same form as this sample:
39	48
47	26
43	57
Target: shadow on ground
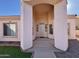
72	52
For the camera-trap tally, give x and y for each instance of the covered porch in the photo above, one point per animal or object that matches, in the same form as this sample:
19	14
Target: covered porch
38	17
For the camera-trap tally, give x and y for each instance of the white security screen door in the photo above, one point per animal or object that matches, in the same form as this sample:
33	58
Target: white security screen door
42	32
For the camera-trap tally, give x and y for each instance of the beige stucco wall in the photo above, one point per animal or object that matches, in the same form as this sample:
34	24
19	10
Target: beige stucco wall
9	19
47	18
73	21
72	28
77	22
77	31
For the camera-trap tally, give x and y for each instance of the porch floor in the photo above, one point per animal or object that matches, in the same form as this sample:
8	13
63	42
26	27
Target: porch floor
43	48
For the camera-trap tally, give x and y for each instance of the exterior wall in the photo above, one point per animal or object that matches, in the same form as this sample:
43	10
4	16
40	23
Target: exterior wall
77	30
77	22
48	20
77	34
9	19
72	28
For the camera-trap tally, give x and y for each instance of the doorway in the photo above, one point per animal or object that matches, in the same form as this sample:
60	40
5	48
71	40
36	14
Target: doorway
42	32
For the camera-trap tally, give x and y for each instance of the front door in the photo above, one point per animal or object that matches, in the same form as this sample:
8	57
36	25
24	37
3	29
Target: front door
42	30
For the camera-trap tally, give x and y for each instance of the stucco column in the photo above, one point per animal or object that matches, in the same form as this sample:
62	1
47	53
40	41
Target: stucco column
26	26
60	26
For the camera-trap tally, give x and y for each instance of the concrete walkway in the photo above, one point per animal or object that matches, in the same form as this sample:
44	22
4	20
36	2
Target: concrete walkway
43	48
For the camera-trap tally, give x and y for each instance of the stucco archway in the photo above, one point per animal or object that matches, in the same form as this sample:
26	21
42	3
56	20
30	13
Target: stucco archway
36	2
43	14
60	23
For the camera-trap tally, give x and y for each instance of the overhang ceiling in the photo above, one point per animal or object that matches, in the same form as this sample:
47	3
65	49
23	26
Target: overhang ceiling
42	8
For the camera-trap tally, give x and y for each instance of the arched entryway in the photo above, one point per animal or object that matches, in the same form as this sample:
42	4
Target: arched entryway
59	24
43	16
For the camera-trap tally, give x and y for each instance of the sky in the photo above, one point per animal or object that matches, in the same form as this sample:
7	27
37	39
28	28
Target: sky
9	7
12	7
73	7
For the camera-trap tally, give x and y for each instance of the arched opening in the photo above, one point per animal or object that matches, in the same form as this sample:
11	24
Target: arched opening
43	16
